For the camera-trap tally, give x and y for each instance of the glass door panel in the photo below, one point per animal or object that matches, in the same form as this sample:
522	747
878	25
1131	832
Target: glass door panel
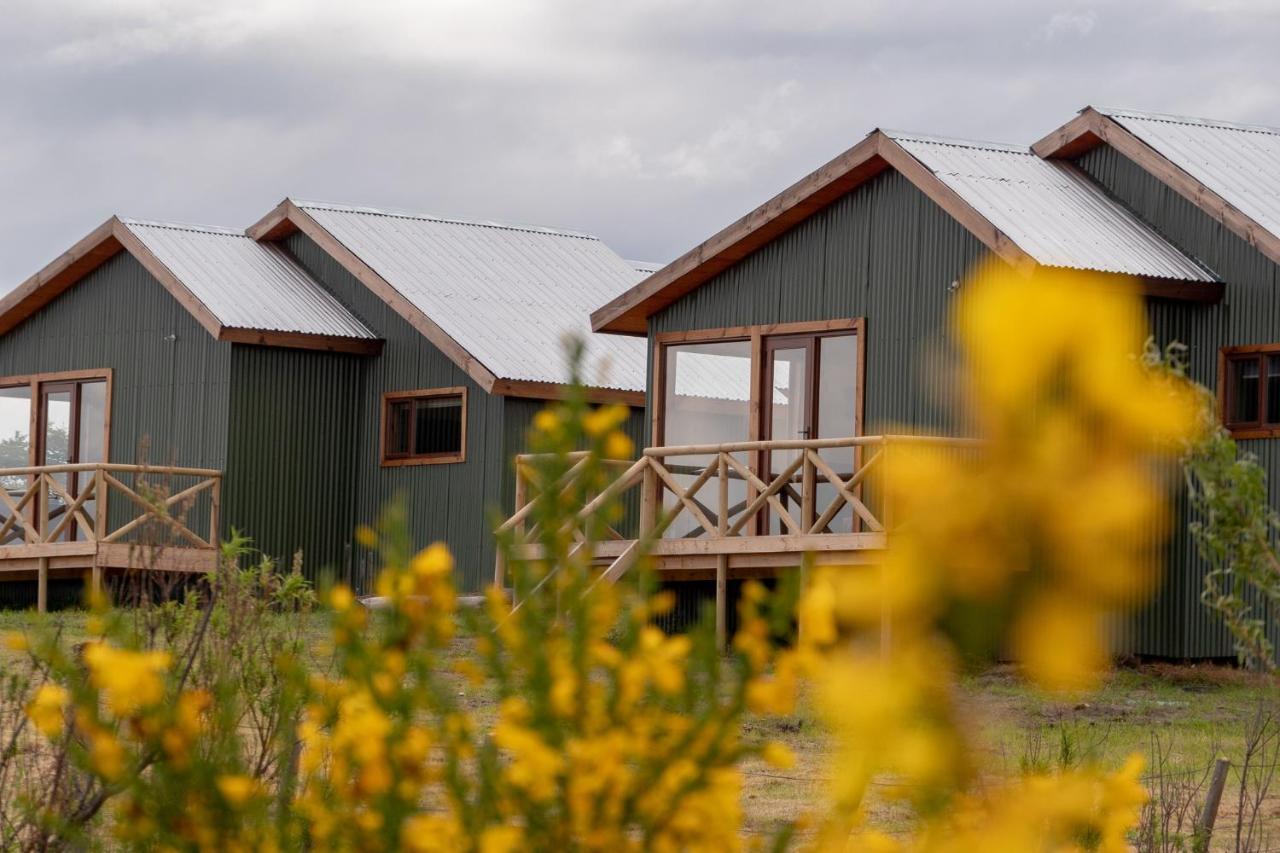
56	405
91	433
837	417
789	404
706	400
15	448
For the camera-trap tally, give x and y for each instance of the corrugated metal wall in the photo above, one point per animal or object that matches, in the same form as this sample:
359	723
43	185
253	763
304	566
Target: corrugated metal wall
170	382
293	442
518	417
446	502
1249	313
888	253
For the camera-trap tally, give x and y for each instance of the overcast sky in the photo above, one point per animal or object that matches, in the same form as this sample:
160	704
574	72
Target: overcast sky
650	124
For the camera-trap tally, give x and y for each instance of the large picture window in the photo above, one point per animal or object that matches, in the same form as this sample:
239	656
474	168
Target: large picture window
791	381
424	427
1249	390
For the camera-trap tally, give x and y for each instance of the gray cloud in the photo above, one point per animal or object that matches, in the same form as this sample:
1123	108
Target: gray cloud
651	124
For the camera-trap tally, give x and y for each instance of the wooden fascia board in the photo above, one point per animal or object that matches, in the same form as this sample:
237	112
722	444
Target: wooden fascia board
1001	244
167	279
89	253
301	340
366	275
1182	290
1091	128
275	226
628	312
557	391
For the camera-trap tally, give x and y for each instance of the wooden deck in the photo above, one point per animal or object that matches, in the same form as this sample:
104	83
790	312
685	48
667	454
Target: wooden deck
753	526
95	518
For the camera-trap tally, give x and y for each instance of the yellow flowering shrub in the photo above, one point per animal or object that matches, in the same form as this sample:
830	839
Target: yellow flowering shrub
1029	543
573	722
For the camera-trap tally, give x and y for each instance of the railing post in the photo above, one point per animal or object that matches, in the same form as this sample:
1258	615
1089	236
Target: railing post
722	560
808	492
99	504
215	508
522	494
649	499
42	506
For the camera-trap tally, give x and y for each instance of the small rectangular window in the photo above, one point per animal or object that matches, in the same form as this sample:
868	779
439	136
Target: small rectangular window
1250	395
424	427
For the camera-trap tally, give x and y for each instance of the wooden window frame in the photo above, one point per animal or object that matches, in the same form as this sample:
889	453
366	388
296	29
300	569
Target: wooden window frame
1227	355
756	334
434	459
36	380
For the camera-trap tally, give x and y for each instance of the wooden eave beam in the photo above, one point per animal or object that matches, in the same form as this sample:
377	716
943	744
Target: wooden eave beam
301	340
300	220
1091	128
1182	290
556	391
167	279
89	253
627	313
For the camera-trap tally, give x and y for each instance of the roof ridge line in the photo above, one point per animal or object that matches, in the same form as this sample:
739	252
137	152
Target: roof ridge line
956	141
1174	118
220	230
448	220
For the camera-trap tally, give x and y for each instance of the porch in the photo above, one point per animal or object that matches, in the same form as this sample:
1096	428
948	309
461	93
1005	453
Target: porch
88	519
774	502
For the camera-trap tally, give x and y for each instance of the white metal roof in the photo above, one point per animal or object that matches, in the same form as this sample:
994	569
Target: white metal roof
508	294
1050	209
1239	162
244	283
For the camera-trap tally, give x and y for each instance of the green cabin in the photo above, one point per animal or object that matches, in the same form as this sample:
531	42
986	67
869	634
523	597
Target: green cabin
286	381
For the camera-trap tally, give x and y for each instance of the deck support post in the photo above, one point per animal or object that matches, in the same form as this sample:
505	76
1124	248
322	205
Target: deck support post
95	578
722	584
42	585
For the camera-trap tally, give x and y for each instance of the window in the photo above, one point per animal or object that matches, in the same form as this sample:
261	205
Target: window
424	427
1249	390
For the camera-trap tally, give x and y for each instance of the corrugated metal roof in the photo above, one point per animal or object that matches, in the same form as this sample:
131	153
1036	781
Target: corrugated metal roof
246	284
646	267
1239	162
508	294
1050	209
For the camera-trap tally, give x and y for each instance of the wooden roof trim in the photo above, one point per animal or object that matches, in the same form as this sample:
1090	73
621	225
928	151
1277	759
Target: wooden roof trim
1091	128
165	276
627	313
114	236
298	219
301	340
556	391
89	253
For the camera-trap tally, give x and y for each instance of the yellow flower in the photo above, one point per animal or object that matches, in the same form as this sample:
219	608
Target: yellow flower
431	833
16	641
131	680
366	536
433	561
341	598
501	839
47	709
546	421
604	419
778	755
618	446
237	789
106	755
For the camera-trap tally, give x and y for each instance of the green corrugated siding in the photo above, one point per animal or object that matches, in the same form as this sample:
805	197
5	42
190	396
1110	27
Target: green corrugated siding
170	380
446	502
1177	624
291	469
518	419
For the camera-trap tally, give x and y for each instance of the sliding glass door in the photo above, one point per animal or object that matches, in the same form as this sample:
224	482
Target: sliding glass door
72	430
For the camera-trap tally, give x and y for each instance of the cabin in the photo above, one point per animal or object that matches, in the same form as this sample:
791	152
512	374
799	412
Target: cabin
162	385
784	348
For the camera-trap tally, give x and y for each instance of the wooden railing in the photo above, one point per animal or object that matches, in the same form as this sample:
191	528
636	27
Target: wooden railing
48	506
792	510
